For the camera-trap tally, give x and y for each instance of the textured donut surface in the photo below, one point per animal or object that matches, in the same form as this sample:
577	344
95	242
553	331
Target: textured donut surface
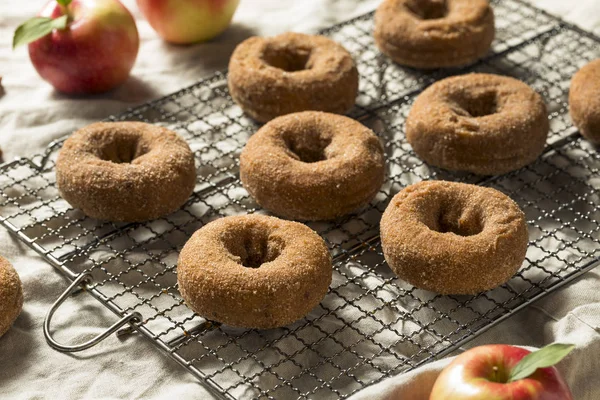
292	72
312	166
434	33
254	271
584	101
453	238
11	295
480	123
125	171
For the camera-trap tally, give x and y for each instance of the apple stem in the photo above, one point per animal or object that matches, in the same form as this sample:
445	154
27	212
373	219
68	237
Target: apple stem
67	12
495	369
64	7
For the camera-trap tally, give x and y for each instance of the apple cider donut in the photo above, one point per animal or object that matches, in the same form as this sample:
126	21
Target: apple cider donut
11	295
453	238
434	33
584	101
125	171
292	72
312	166
480	123
254	271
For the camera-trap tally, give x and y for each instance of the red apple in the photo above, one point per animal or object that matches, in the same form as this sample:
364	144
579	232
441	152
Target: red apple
483	373
188	21
93	53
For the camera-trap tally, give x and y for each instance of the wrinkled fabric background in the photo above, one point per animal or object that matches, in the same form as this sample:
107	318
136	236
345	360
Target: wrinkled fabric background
32	114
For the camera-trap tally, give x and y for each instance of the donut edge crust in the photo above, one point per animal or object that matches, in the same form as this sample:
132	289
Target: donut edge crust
108	191
484	146
584	101
265	92
215	285
425	47
450	264
11	295
311	192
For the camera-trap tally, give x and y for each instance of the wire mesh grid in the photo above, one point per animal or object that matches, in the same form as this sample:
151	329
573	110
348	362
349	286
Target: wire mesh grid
370	325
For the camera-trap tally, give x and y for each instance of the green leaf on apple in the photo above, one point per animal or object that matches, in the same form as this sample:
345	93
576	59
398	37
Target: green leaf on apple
542	358
64	3
36	28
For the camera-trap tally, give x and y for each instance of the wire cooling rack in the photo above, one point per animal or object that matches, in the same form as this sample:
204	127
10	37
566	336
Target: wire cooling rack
370	325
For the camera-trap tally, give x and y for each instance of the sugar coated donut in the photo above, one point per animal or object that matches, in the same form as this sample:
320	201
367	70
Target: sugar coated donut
312	166
254	271
125	171
434	33
584	101
480	123
453	238
11	295
292	72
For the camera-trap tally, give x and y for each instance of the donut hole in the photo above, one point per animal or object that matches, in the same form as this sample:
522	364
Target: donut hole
458	227
255	248
427	9
288	59
451	216
308	147
479	104
122	150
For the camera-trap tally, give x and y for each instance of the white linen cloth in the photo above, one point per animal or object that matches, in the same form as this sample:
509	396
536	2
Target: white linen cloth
32	114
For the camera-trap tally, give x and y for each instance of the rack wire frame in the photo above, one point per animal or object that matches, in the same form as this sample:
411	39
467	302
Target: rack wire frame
370	325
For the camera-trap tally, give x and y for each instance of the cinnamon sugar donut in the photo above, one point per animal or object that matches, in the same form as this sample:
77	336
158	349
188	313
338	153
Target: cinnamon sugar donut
584	101
292	72
11	295
312	165
480	123
254	271
125	171
453	238
434	33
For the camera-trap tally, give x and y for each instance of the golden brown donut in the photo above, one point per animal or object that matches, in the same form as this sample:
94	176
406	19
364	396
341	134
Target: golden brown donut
312	166
125	171
584	101
434	33
254	271
11	295
453	238
480	123
292	72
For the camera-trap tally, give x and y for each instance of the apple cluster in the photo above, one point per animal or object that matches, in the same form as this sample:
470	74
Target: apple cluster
90	46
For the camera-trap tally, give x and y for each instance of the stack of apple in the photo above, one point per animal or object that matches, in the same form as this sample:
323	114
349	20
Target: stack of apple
90	46
502	372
